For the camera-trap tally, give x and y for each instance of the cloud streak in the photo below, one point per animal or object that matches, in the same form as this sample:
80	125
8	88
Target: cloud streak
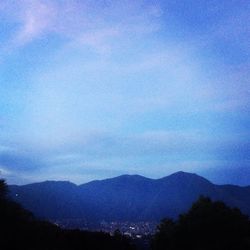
162	152
122	86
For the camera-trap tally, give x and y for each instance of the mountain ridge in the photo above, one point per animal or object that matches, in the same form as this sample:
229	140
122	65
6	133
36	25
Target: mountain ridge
125	197
133	175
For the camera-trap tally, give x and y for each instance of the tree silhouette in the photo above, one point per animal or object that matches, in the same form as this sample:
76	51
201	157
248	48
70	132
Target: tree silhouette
19	230
207	225
3	189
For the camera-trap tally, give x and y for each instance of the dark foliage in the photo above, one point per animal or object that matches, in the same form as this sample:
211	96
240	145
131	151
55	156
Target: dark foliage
207	226
20	230
3	189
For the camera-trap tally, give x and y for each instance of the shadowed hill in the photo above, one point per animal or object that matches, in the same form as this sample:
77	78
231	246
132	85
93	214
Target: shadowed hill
19	229
126	197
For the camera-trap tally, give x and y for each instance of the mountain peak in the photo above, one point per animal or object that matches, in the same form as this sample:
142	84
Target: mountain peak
181	173
185	176
127	178
131	176
50	183
126	197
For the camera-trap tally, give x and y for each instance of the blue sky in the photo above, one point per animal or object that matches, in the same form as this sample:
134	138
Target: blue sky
95	89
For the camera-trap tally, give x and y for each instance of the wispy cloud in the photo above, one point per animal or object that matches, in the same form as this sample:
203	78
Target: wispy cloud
36	19
84	23
129	85
166	151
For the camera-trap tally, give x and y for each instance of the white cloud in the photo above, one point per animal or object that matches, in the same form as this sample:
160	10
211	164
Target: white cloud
118	67
36	18
85	23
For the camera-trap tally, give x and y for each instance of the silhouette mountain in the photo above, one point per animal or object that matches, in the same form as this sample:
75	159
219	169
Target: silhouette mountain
126	197
19	229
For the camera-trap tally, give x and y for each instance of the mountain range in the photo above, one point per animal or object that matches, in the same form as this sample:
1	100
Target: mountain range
125	198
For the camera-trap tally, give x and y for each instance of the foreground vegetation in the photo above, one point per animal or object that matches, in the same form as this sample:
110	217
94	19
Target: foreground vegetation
20	230
207	225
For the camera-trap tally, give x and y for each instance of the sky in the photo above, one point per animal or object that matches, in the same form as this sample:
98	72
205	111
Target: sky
96	89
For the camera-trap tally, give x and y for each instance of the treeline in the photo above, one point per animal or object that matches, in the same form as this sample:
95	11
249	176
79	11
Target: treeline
208	225
19	229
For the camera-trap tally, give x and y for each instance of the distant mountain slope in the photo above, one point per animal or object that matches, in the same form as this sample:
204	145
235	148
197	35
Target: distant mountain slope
126	197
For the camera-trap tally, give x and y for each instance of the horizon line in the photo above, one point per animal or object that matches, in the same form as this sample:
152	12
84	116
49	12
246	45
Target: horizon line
131	175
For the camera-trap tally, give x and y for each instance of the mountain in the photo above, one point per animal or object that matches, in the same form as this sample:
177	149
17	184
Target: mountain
20	230
125	198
